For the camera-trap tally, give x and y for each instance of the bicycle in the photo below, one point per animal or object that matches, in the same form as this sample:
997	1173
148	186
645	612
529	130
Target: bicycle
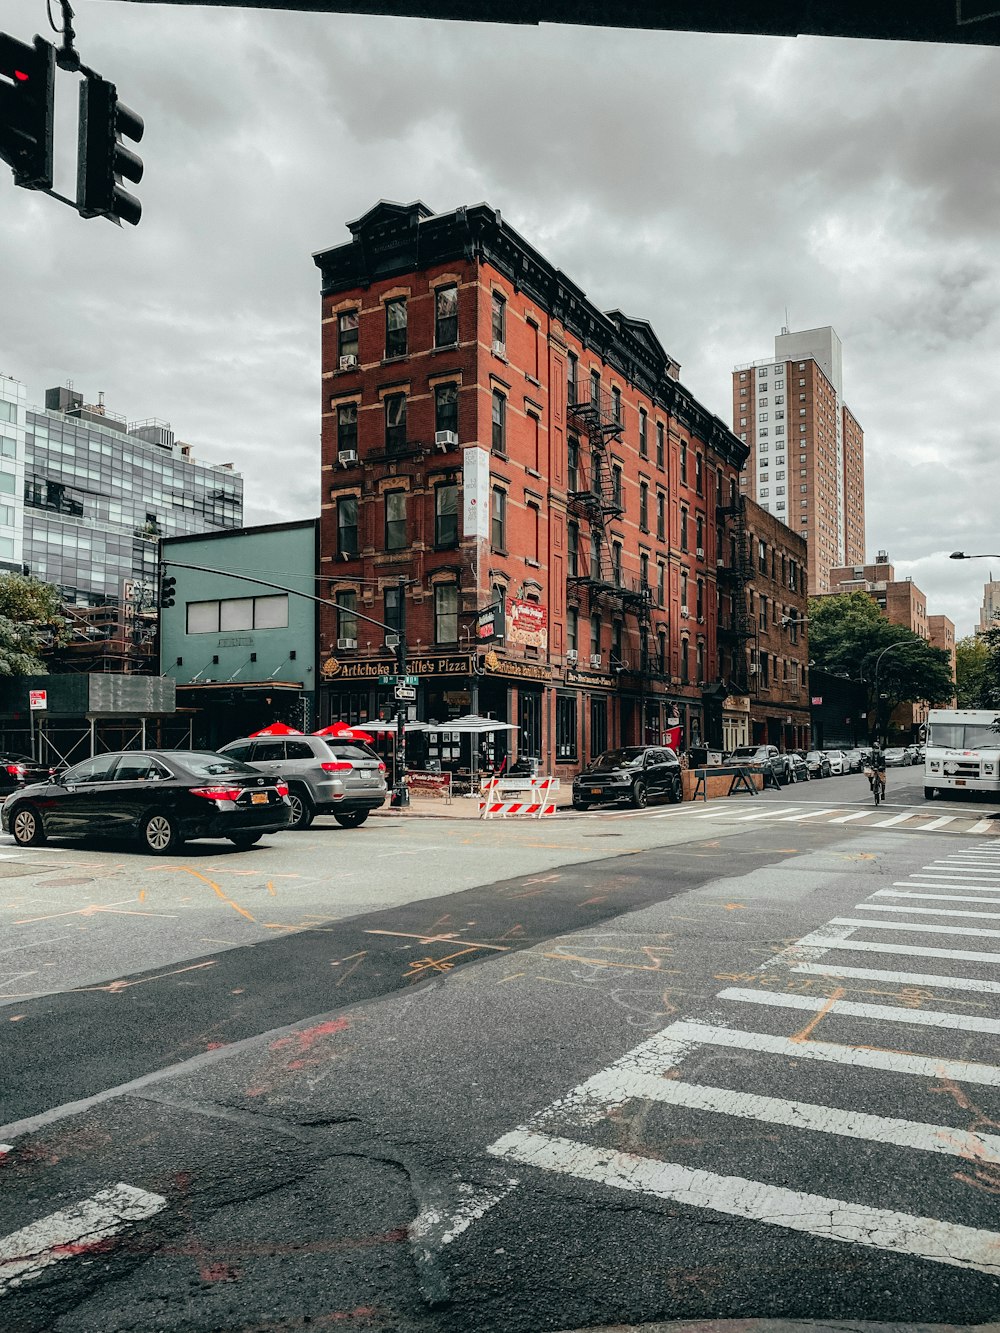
876	781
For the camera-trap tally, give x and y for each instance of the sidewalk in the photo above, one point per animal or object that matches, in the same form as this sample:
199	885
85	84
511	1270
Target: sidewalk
462	807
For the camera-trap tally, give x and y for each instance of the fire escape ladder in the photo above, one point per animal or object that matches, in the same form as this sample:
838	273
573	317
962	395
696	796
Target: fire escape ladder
738	573
590	412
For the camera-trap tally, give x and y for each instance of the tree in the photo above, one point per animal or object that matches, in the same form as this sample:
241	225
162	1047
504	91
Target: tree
972	663
30	621
847	637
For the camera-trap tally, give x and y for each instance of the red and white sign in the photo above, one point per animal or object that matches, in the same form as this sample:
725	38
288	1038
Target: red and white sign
672	738
38	699
527	623
816	700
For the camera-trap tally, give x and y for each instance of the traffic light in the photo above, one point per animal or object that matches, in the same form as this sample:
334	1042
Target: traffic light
103	160
27	108
168	591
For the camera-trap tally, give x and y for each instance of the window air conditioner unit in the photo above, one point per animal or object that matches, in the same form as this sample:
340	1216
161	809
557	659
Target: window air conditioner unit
721	563
753	671
499	348
571	655
595	659
445	439
349	362
685	613
347	457
700	552
347	643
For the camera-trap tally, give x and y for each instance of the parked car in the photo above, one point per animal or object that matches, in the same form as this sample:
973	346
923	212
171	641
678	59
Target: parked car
634	773
819	764
855	760
838	762
767	757
896	757
161	797
800	767
20	770
345	779
913	755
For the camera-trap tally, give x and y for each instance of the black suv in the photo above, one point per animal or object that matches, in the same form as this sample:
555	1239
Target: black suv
635	773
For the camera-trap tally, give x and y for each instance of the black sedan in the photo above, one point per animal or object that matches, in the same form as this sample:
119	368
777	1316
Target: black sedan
160	797
18	770
819	764
635	773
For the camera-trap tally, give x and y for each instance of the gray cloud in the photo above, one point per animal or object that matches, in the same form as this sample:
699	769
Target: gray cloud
702	182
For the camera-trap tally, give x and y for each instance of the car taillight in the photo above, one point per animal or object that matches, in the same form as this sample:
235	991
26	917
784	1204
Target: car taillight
282	789
340	766
217	793
16	770
381	766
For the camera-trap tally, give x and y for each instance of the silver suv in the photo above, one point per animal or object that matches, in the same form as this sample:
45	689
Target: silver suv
325	777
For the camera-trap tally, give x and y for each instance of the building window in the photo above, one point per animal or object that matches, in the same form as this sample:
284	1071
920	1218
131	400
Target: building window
699	532
498	320
565	728
598	726
643	506
617	652
446	316
534	525
532	371
684	463
572	628
698	474
661	652
347	526
685	663
595	557
573	549
446	613
347	333
661	516
498	521
499	422
393	614
446	514
395	423
573	464
762	556
347	426
616	563
446	407
661	579
684	529
699	663
535	443
643	571
616	405
347	620
595	636
395	520
395	327
643	433
616	485
659	444
700	599
595	388
572	370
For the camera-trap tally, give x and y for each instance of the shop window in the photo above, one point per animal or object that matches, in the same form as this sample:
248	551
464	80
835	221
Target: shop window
529	708
598	726
566	728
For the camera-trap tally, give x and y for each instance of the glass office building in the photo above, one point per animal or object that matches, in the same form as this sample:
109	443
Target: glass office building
99	493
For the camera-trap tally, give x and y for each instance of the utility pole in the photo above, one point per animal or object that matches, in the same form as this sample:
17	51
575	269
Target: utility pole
402	794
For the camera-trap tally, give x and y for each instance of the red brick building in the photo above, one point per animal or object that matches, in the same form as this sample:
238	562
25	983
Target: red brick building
495	440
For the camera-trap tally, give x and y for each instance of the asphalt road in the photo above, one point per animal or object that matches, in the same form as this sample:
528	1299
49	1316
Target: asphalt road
718	1062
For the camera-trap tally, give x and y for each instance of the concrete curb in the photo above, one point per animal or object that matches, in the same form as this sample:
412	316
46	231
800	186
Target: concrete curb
786	1326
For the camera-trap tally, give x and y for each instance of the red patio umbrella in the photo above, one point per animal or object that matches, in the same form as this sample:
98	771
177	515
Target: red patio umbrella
341	731
277	729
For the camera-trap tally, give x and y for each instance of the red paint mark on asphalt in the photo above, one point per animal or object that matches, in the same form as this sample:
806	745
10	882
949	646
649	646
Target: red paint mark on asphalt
216	1045
305	1040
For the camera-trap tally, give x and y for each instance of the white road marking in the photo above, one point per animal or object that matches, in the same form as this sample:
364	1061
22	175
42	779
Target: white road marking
938	897
832	1219
912	950
72	1231
861	1057
900	978
763	814
812	814
939	822
957	871
438	1225
895	819
926	911
623	1086
712	814
846	819
946	884
982	826
885	1013
982	932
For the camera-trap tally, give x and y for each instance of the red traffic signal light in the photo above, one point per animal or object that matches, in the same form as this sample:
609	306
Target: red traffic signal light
103	160
27	107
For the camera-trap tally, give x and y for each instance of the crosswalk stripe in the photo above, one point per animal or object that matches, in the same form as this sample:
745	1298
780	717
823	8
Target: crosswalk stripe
810	814
901	978
888	823
937	868
846	819
762	814
623	1086
713	814
833	1219
938	897
981	932
951	882
927	911
940	822
982	826
885	1013
912	950
828	1052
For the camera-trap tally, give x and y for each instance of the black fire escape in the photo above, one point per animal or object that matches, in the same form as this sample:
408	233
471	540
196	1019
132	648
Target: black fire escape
597	501
735	574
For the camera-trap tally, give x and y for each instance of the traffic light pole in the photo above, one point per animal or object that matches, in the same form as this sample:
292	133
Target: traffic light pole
402	795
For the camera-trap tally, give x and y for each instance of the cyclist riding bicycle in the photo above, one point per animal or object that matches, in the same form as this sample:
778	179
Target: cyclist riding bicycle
876	766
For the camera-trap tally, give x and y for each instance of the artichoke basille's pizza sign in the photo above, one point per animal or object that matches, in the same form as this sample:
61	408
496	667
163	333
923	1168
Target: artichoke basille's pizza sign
527	623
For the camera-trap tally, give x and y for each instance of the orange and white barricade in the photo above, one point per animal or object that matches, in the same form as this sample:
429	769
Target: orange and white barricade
536	803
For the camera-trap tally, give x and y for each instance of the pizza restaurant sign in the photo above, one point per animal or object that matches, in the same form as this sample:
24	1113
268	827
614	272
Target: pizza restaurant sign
527	623
452	664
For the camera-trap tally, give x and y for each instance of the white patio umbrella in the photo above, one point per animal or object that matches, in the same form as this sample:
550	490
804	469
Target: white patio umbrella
473	725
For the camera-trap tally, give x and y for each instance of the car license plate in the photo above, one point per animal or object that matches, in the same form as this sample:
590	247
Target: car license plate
259	798
960	782
595	791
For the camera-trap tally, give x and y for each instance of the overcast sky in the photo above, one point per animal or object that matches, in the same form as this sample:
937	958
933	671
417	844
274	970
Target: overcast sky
705	183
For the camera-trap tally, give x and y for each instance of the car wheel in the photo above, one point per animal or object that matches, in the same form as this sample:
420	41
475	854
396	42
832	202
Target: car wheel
159	835
639	795
245	840
929	795
676	792
303	811
351	818
581	805
26	826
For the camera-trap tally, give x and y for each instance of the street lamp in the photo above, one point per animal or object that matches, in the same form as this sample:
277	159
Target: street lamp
900	643
960	555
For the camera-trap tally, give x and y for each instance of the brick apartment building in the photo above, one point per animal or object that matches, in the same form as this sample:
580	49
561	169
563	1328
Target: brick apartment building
493	439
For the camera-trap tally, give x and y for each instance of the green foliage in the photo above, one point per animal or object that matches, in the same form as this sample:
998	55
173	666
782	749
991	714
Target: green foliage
972	669
848	636
30	622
